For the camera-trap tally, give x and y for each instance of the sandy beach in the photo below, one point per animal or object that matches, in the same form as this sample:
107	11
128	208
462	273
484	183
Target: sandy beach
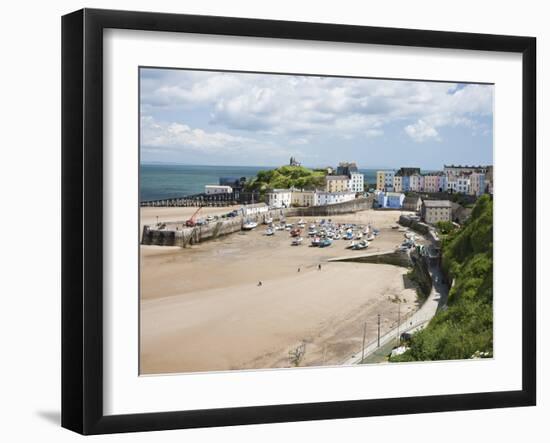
203	310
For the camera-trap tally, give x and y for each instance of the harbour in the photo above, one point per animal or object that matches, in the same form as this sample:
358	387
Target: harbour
245	300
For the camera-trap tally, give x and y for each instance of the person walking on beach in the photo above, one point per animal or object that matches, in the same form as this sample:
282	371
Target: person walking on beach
298	269
260	283
319	267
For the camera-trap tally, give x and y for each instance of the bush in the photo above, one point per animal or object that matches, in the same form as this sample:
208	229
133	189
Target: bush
465	329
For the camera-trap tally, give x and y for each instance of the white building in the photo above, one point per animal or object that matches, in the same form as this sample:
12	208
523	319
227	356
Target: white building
463	185
356	182
254	209
217	189
416	182
330	198
279	198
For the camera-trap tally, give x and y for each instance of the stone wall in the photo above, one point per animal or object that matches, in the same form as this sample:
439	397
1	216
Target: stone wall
215	229
356	205
197	234
415	225
396	258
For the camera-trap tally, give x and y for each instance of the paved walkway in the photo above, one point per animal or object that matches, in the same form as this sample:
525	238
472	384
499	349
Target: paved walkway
436	300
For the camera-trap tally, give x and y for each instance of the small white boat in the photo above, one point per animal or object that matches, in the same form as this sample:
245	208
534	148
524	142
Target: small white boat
363	244
268	220
269	231
297	241
358	236
370	237
249	225
351	245
316	241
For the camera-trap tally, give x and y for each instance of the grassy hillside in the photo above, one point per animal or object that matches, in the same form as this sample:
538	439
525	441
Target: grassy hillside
466	327
286	177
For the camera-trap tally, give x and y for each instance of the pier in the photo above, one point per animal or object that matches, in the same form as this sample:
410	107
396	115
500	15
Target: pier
175	233
212	200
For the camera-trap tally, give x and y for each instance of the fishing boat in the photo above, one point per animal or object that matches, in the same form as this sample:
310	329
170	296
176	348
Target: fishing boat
279	228
370	237
312	232
363	244
269	231
325	242
358	236
295	232
249	225
316	241
268	220
297	241
338	236
351	245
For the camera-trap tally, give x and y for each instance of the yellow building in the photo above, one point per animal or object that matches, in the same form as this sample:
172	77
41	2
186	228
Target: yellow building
337	183
384	180
303	198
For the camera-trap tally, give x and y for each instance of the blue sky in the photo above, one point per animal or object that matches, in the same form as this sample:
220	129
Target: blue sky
222	118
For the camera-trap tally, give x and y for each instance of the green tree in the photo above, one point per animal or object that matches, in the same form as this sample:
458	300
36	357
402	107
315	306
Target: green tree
465	328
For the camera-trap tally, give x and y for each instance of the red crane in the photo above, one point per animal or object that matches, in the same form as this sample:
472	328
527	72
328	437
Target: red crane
191	222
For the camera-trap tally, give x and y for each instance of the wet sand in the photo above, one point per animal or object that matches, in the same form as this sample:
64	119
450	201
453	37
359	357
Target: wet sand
202	308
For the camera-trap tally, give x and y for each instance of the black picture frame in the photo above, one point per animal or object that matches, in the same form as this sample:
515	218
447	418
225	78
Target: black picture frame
82	215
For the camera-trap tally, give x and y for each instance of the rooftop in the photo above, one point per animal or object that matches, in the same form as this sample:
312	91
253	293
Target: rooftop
411	199
337	177
437	203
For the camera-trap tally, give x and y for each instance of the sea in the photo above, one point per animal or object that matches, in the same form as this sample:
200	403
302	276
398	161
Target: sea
161	181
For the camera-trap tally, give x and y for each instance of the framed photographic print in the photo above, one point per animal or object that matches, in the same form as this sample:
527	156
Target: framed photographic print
269	221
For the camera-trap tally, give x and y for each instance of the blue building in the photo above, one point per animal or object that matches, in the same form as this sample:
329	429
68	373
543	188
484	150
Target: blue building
389	200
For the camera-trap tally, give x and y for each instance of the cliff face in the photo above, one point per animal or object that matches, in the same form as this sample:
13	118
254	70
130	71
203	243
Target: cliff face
465	329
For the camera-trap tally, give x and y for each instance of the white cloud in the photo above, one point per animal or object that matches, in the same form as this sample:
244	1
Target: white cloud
301	107
180	138
421	131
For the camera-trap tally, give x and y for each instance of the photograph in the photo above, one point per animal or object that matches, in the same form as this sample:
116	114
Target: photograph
294	220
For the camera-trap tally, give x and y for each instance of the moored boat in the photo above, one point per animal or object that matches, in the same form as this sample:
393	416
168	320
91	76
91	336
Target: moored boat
249	225
363	244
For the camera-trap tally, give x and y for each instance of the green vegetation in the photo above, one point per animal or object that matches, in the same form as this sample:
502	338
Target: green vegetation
445	227
462	199
466	327
423	281
286	177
